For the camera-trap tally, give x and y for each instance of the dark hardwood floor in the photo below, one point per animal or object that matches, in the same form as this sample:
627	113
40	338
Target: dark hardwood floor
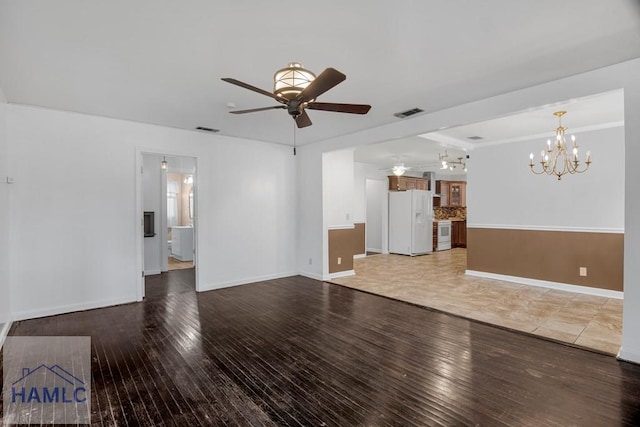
296	351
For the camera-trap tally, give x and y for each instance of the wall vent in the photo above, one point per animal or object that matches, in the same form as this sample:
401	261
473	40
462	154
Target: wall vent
204	129
405	114
475	138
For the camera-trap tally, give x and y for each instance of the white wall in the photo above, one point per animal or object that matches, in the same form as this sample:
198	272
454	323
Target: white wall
5	294
623	75
337	175
74	218
370	186
362	172
152	197
631	311
359	192
377	236
504	192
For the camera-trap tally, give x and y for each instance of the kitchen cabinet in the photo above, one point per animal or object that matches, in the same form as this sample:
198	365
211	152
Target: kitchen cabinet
442	188
457	193
403	183
452	193
458	234
435	235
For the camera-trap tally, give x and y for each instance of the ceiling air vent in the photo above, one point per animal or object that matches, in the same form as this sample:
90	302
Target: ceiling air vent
203	129
405	114
475	138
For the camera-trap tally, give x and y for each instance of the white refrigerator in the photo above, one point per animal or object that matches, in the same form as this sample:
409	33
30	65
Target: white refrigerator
410	222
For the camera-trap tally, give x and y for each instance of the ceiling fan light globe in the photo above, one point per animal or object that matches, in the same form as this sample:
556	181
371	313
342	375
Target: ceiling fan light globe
288	82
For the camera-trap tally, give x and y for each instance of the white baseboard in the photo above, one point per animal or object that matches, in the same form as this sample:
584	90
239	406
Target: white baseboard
551	285
152	272
358	256
311	275
62	309
339	274
4	331
245	281
376	250
629	356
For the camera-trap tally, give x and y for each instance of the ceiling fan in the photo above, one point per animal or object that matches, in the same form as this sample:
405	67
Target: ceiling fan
297	89
398	168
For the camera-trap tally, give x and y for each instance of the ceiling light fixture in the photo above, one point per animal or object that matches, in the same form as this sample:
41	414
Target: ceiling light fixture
557	160
451	164
291	80
164	165
399	169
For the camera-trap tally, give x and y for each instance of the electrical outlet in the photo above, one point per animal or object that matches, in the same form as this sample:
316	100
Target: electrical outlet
583	271
310	261
339	260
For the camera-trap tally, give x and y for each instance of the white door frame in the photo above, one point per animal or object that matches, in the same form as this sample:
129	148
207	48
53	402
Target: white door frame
139	216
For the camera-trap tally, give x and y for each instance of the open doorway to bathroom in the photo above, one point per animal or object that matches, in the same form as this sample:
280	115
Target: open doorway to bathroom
180	215
169	205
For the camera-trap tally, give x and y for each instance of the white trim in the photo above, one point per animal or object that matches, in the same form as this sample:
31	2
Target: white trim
339	274
547	228
358	256
63	309
4	331
551	285
628	356
341	227
376	250
152	272
213	286
311	275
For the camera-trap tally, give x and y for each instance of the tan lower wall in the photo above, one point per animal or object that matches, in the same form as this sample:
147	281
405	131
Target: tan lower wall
344	244
554	256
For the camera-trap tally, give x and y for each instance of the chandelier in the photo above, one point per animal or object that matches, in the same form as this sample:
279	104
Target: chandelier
557	160
451	164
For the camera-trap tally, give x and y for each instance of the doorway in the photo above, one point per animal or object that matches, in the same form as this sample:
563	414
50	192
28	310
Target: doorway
376	216
180	214
167	197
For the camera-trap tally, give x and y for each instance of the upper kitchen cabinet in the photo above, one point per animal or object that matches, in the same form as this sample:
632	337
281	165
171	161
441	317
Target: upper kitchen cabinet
403	183
452	193
457	194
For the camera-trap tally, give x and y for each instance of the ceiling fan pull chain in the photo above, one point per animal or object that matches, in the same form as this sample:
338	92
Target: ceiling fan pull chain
294	138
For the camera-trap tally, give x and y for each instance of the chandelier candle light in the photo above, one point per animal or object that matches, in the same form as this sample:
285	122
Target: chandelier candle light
557	160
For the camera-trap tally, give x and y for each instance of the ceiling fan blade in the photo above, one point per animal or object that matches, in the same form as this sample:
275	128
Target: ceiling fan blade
340	108
253	110
325	81
303	120
253	88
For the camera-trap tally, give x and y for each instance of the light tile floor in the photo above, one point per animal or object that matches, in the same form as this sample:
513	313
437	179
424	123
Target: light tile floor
439	281
175	264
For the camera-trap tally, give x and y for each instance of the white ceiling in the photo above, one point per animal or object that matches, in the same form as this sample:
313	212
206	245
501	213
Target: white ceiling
422	152
160	61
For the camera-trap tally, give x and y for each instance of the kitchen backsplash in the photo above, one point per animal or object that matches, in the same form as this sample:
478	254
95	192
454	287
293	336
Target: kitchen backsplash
446	212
